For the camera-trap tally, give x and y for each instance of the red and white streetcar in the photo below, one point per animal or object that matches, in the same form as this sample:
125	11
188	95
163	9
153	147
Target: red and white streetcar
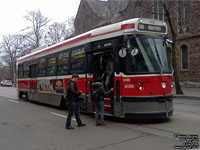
141	78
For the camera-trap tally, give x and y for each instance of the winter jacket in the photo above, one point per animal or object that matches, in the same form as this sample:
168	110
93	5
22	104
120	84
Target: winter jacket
72	92
103	91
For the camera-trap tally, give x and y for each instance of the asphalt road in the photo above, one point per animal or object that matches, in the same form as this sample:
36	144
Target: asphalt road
30	126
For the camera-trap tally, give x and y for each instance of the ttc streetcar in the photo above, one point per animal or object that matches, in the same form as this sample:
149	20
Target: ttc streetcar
141	75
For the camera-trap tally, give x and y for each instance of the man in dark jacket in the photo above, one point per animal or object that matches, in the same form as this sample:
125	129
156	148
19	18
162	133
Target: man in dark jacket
100	101
72	96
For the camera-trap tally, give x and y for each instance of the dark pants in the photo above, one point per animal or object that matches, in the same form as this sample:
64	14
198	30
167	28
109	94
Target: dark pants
74	108
99	110
107	82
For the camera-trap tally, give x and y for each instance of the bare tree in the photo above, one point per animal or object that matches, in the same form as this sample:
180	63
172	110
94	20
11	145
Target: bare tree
70	27
10	48
56	32
169	9
4	72
35	32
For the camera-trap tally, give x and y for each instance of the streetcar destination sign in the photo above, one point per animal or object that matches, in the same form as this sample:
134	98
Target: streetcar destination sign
153	28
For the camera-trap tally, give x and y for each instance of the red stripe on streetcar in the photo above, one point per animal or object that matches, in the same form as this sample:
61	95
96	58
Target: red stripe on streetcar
128	26
123	27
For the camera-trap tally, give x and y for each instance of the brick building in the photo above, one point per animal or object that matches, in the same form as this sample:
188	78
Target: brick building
188	41
185	17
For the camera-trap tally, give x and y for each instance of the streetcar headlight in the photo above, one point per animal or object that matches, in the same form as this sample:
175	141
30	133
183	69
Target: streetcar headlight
163	85
140	88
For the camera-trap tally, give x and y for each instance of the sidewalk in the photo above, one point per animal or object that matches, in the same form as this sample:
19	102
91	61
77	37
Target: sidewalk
193	93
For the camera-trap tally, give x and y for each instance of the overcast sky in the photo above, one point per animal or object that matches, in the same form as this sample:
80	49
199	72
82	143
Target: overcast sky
12	12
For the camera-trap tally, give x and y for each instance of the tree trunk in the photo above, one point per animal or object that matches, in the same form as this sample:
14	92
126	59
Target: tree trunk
176	78
174	36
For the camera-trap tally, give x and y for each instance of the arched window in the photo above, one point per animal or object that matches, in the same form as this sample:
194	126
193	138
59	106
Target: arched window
184	55
183	16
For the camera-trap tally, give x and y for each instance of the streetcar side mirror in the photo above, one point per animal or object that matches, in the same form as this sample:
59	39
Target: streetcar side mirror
168	41
122	52
134	52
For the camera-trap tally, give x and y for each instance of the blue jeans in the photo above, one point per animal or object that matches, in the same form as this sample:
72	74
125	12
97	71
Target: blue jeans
99	110
73	109
107	82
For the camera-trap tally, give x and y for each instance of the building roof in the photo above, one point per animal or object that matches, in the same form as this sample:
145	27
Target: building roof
97	6
109	10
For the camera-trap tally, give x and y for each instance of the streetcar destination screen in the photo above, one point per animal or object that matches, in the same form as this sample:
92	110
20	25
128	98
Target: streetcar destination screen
153	28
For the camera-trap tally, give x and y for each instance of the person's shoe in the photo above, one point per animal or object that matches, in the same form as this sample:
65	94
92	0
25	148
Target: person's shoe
98	124
81	124
69	127
103	124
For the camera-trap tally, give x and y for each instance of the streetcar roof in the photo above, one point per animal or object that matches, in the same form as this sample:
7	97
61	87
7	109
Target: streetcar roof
112	30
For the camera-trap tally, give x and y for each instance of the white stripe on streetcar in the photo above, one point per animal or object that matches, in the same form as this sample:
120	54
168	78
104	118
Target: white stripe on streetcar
53	113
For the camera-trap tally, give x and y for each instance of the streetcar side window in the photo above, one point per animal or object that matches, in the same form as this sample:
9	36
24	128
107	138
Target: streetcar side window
26	70
42	67
51	65
89	63
63	60
20	71
77	60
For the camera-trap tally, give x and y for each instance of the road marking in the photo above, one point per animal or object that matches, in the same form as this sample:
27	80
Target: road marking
13	101
53	113
7	96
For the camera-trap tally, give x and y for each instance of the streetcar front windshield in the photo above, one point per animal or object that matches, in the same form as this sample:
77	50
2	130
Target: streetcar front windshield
146	54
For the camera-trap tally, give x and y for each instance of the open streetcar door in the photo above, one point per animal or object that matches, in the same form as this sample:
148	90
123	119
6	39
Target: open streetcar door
97	60
89	80
117	103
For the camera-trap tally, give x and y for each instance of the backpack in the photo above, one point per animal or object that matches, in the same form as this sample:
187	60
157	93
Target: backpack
96	94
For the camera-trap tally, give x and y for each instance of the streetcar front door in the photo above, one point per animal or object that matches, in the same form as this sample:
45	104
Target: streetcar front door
96	68
97	59
103	69
89	80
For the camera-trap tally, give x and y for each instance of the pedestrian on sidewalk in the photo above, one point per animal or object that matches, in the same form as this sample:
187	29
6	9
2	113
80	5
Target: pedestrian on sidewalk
98	95
74	106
